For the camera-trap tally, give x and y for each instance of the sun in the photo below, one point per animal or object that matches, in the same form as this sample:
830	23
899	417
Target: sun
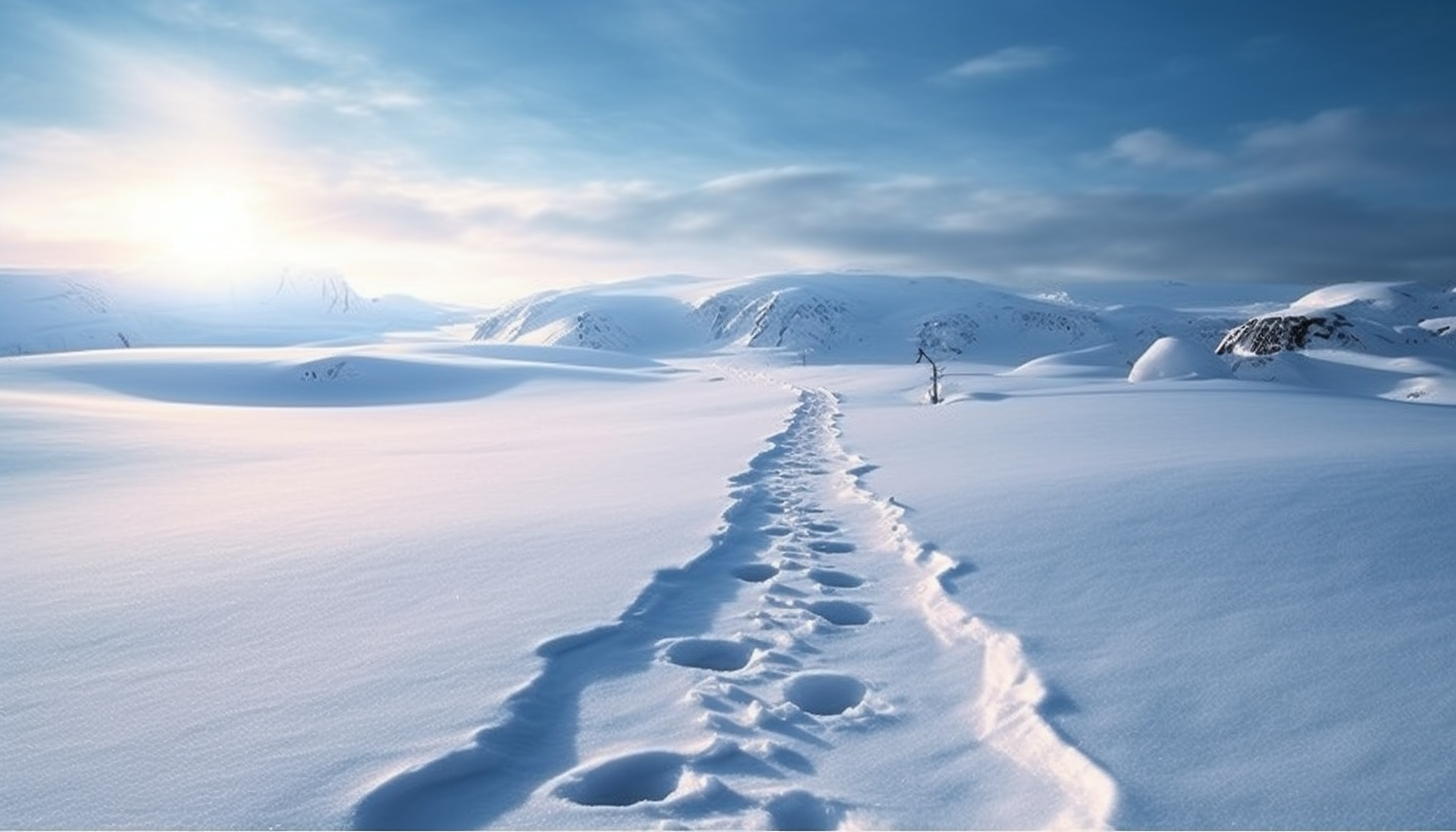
196	222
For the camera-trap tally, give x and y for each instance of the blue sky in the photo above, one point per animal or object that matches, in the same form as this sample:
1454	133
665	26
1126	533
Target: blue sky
476	149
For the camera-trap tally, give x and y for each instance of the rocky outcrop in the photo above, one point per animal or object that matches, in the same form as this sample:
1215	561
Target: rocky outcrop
1273	333
950	334
799	320
595	331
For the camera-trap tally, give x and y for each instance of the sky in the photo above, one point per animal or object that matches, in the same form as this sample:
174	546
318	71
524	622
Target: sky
475	150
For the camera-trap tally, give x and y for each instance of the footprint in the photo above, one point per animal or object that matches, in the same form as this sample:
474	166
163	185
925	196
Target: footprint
709	653
824	694
635	778
831	577
843	613
823	528
777	531
786	591
831	547
799	809
755	573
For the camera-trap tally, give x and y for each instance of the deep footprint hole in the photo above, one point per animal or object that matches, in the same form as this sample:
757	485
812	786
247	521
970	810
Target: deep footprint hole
801	810
709	653
755	573
648	776
832	547
835	578
825	694
843	613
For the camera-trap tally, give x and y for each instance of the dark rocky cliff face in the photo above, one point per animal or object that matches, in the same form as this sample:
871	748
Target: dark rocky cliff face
1273	333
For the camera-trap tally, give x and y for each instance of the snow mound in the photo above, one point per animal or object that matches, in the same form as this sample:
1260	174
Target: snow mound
1175	358
1101	360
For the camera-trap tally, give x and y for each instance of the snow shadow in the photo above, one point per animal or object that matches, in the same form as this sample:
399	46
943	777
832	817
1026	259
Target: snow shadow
535	738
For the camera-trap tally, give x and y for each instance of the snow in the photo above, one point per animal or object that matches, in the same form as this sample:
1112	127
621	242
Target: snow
230	615
1175	358
724	566
1243	596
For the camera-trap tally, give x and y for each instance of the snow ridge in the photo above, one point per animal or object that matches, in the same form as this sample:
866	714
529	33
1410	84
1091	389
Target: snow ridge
1007	710
790	648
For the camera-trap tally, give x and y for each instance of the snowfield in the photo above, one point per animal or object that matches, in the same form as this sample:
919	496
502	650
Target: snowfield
674	553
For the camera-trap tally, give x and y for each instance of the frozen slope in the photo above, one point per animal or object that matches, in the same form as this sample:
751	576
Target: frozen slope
1241	596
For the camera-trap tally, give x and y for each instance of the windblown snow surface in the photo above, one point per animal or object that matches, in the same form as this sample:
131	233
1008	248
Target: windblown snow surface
682	554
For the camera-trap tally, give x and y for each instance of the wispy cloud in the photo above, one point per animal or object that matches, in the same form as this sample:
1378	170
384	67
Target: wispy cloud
1009	61
1156	148
1345	147
1410	151
365	101
272	30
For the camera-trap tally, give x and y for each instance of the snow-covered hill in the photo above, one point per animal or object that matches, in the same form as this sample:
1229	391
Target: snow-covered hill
1394	340
1379	318
840	317
43	312
1389	340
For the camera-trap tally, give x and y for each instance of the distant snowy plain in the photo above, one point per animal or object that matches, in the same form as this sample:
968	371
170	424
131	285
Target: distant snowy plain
680	554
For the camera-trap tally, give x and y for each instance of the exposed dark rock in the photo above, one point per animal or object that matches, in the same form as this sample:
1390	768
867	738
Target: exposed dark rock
597	332
1273	333
802	321
947	334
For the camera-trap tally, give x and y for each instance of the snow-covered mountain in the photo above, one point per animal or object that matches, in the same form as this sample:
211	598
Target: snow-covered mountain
1390	340
44	312
844	317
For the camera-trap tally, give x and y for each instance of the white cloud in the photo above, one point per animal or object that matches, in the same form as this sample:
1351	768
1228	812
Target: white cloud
1008	61
1325	130
1155	148
1343	146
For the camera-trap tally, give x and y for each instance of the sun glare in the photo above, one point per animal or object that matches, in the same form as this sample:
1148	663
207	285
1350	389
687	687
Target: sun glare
198	223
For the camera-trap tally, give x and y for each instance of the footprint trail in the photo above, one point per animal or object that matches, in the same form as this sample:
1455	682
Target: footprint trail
778	680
